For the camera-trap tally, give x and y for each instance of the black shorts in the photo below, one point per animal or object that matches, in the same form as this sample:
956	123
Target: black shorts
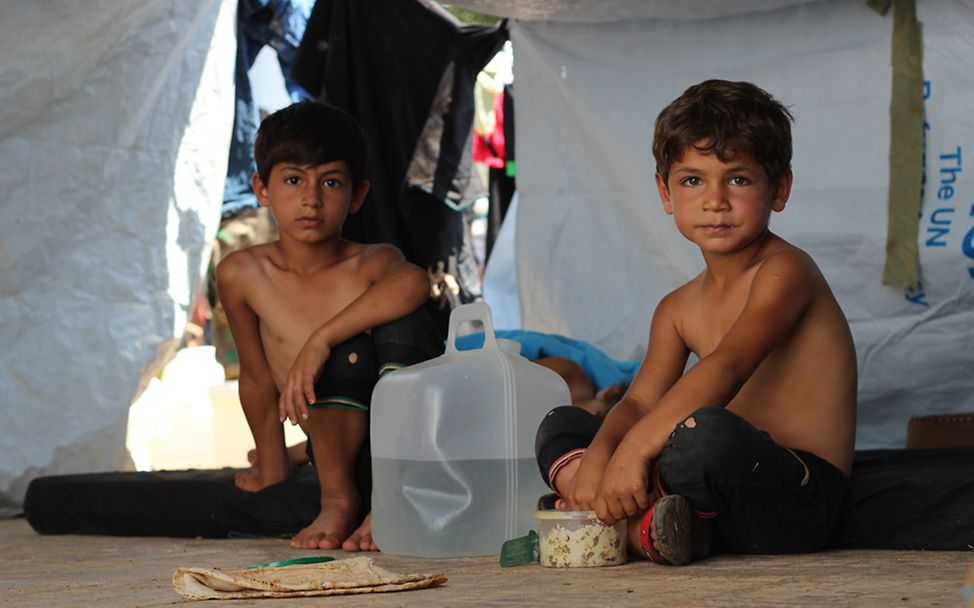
350	374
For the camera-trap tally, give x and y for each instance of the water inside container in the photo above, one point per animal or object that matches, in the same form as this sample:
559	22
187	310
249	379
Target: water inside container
454	508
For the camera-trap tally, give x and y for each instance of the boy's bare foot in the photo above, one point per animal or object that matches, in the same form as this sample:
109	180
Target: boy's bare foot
330	528
257	478
361	539
252	481
296	454
247	480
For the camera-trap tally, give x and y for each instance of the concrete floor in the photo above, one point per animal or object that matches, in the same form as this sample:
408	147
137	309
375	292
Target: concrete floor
111	571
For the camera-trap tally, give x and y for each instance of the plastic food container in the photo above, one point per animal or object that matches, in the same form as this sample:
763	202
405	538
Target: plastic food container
577	539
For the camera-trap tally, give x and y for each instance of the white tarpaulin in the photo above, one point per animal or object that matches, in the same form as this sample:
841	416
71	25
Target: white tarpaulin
607	11
115	122
595	251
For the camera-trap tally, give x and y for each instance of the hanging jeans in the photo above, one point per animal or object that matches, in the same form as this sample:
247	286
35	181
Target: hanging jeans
279	24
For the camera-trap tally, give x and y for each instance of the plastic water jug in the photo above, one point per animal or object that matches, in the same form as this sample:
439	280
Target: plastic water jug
453	466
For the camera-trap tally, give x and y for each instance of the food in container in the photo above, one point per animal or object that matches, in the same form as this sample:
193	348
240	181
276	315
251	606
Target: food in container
577	539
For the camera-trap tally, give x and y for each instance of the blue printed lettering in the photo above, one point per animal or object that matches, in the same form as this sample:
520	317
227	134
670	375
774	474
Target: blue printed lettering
968	245
948	174
917	296
938	233
956	156
923	176
935	216
941	220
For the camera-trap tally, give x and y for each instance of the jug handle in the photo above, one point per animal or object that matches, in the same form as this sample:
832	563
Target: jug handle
475	311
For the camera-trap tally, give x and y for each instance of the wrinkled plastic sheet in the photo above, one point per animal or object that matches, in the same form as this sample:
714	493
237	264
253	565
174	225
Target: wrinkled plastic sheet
595	251
115	121
587	11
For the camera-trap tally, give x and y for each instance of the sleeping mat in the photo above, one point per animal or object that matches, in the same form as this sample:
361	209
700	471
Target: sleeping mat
897	499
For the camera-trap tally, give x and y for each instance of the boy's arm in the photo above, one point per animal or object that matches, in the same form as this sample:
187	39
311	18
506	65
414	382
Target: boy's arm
256	384
666	357
396	289
780	293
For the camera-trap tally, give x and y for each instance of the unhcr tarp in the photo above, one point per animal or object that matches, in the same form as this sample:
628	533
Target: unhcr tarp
595	251
113	135
114	130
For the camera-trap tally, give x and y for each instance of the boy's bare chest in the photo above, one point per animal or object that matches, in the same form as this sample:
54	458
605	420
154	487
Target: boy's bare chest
708	318
291	307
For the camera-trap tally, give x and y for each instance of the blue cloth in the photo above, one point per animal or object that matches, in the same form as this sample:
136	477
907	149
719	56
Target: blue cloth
603	370
279	24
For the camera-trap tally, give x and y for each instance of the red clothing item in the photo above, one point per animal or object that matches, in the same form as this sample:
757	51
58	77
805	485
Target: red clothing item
489	149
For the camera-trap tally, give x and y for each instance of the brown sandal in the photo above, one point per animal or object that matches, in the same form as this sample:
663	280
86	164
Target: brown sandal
670	533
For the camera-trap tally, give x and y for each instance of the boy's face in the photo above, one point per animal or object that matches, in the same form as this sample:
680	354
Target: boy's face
310	202
721	207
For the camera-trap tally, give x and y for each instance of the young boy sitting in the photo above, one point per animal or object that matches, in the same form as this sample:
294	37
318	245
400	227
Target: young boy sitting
752	445
314	316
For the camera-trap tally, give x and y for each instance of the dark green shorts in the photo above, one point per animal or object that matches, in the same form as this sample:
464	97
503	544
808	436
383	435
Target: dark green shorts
350	374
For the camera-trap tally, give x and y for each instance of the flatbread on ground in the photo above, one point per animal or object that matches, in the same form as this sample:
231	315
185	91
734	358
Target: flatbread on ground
341	577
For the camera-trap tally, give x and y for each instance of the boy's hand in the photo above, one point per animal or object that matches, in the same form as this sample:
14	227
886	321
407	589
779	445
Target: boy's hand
623	491
299	391
580	491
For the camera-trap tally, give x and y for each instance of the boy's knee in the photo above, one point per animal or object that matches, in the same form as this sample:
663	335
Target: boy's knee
710	420
704	441
563	430
565	420
408	340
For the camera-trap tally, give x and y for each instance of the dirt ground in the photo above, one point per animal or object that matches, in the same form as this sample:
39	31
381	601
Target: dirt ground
111	571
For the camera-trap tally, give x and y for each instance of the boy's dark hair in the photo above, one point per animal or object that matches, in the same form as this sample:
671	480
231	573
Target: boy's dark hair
724	118
311	133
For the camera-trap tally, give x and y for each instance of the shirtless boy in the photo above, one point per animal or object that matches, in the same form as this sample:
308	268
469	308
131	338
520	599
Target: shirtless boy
750	447
294	302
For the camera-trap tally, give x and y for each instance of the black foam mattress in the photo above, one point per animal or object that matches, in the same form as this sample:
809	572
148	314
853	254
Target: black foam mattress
897	499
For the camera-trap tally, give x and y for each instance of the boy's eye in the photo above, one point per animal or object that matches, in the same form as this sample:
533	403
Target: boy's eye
292	180
691	180
331	182
739	180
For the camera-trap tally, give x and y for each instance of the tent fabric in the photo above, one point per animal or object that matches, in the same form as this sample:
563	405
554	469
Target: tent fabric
500	275
595	251
406	71
114	128
897	499
607	11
